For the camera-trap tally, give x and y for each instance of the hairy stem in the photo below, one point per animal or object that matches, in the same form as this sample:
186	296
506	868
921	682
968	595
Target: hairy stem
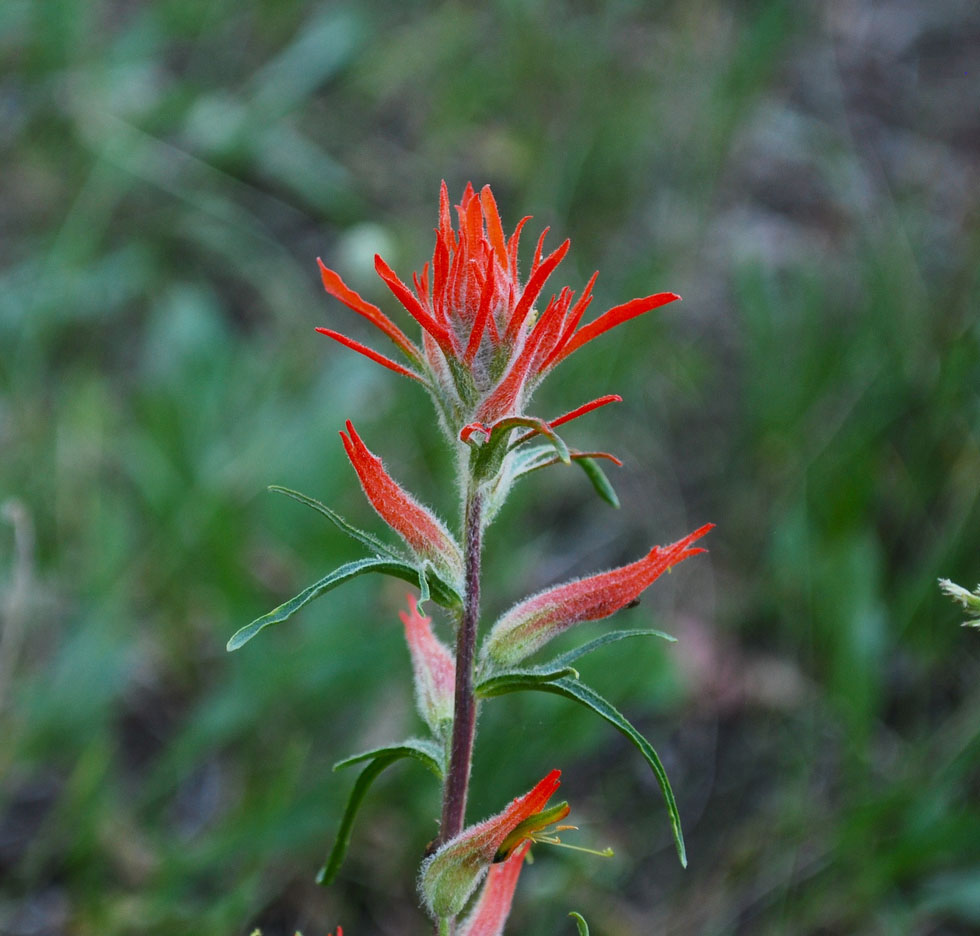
464	718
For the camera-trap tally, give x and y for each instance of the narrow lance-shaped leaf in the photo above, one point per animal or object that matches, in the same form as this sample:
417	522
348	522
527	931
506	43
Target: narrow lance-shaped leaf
599	480
365	539
528	678
286	610
584	695
583	927
425	752
566	659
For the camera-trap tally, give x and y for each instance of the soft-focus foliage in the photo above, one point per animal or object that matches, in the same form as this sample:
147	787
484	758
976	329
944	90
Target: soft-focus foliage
803	173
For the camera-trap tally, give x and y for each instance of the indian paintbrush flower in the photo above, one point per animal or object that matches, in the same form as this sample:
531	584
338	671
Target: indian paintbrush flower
536	620
434	668
489	336
485	343
450	876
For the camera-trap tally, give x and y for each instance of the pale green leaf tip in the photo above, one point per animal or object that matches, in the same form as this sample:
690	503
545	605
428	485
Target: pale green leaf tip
583	927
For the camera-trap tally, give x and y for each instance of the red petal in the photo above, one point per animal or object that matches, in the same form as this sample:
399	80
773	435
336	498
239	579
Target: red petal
533	288
337	288
372	354
490	912
476	335
571	323
615	316
408	299
495	231
417	525
586	408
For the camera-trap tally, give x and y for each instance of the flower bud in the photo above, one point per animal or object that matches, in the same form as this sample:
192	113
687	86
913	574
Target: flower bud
434	668
536	620
451	875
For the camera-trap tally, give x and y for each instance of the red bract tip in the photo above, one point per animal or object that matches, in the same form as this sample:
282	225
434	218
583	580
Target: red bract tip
417	525
337	288
371	353
434	669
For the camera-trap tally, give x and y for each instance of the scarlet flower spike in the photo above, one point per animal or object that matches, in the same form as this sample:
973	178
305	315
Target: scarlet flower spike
489	914
372	354
451	875
469	297
530	624
417	525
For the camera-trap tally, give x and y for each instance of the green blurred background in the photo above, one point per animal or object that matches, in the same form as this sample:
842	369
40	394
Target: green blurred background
805	174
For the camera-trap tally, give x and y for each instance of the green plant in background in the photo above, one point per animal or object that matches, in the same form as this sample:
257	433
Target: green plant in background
485	347
802	176
969	600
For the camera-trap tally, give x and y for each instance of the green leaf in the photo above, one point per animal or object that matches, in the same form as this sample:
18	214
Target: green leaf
365	539
428	753
599	480
584	695
425	752
527	678
610	637
583	927
538	426
542	456
441	592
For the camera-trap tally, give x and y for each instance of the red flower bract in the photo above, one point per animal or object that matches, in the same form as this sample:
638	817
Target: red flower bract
536	620
453	872
485	344
421	529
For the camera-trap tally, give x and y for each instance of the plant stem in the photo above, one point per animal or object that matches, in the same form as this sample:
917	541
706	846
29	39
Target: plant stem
464	716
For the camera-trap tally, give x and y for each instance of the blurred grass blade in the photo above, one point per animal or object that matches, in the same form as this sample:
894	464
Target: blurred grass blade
566	658
441	592
599	480
583	927
527	678
365	539
579	692
425	752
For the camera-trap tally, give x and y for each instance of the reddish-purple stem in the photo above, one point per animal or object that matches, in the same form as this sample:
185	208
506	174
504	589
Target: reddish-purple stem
464	717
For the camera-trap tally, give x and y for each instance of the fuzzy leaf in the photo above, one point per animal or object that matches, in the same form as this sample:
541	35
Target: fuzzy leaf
441	592
527	678
610	637
425	752
583	927
599	480
584	695
365	539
